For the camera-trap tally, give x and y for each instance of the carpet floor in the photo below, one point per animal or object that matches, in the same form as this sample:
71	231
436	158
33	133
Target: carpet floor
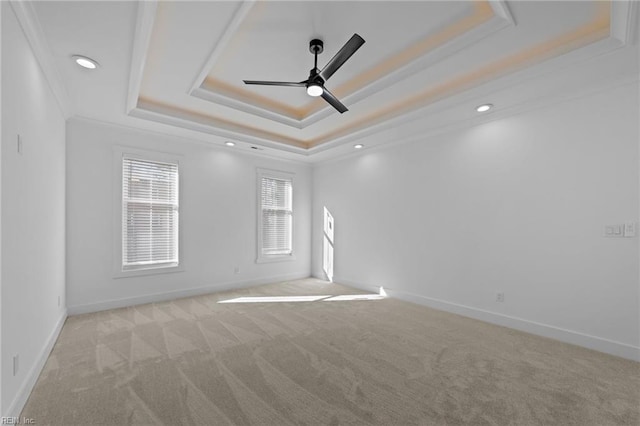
331	361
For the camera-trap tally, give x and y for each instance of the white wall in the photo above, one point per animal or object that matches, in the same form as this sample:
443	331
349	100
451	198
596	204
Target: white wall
516	205
1	406
637	47
217	215
33	215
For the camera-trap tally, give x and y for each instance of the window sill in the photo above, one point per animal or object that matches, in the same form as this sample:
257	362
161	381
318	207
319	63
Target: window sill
148	271
275	258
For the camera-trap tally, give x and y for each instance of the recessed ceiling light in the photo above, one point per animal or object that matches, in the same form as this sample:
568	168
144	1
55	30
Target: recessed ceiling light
484	108
85	62
358	146
229	143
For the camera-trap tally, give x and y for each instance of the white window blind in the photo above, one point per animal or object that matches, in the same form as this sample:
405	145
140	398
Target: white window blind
277	215
149	214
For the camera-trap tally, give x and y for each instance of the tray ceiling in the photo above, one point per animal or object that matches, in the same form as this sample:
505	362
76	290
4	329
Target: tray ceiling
185	61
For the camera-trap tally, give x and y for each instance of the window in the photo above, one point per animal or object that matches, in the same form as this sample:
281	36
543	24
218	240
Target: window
275	216
149	214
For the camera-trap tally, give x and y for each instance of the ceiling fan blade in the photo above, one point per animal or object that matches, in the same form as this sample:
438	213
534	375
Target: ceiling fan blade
342	56
328	96
275	83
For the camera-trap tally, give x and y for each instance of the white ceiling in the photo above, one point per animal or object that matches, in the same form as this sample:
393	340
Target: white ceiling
177	67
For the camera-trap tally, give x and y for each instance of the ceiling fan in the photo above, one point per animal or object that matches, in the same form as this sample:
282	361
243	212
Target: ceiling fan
317	78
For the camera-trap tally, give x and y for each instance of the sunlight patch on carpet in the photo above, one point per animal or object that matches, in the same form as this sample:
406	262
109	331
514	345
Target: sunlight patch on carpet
325	298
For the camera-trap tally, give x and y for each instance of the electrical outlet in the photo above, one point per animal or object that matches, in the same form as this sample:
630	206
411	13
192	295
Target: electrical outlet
500	297
19	145
236	270
16	364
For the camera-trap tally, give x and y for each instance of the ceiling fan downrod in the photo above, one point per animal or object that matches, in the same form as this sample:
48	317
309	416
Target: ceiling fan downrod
316	47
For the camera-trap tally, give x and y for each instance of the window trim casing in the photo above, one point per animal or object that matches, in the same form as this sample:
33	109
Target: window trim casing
276	174
162	157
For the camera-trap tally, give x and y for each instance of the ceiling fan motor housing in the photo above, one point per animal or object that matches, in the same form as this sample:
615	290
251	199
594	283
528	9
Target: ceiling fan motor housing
314	78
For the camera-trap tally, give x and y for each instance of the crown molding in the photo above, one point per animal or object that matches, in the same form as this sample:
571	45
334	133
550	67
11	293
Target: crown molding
420	133
597	38
545	68
501	9
158	129
588	40
145	19
477	94
164	118
624	17
500	19
30	24
238	17
411	124
211	96
422	63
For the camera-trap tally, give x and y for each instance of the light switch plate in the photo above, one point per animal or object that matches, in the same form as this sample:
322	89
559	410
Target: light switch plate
616	230
630	229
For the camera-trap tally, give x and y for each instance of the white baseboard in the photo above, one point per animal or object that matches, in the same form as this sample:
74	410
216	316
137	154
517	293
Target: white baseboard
355	284
196	291
576	338
16	406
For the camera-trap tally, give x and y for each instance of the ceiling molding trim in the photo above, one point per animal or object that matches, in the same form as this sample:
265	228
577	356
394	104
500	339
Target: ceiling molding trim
447	49
192	120
584	49
238	17
190	136
555	50
458	36
211	96
142	38
187	124
581	43
501	9
308	155
32	29
624	20
420	134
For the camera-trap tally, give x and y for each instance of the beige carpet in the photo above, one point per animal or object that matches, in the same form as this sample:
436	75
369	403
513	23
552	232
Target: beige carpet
195	361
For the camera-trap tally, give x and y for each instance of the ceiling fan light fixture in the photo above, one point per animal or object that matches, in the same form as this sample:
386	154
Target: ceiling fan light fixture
314	90
85	62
